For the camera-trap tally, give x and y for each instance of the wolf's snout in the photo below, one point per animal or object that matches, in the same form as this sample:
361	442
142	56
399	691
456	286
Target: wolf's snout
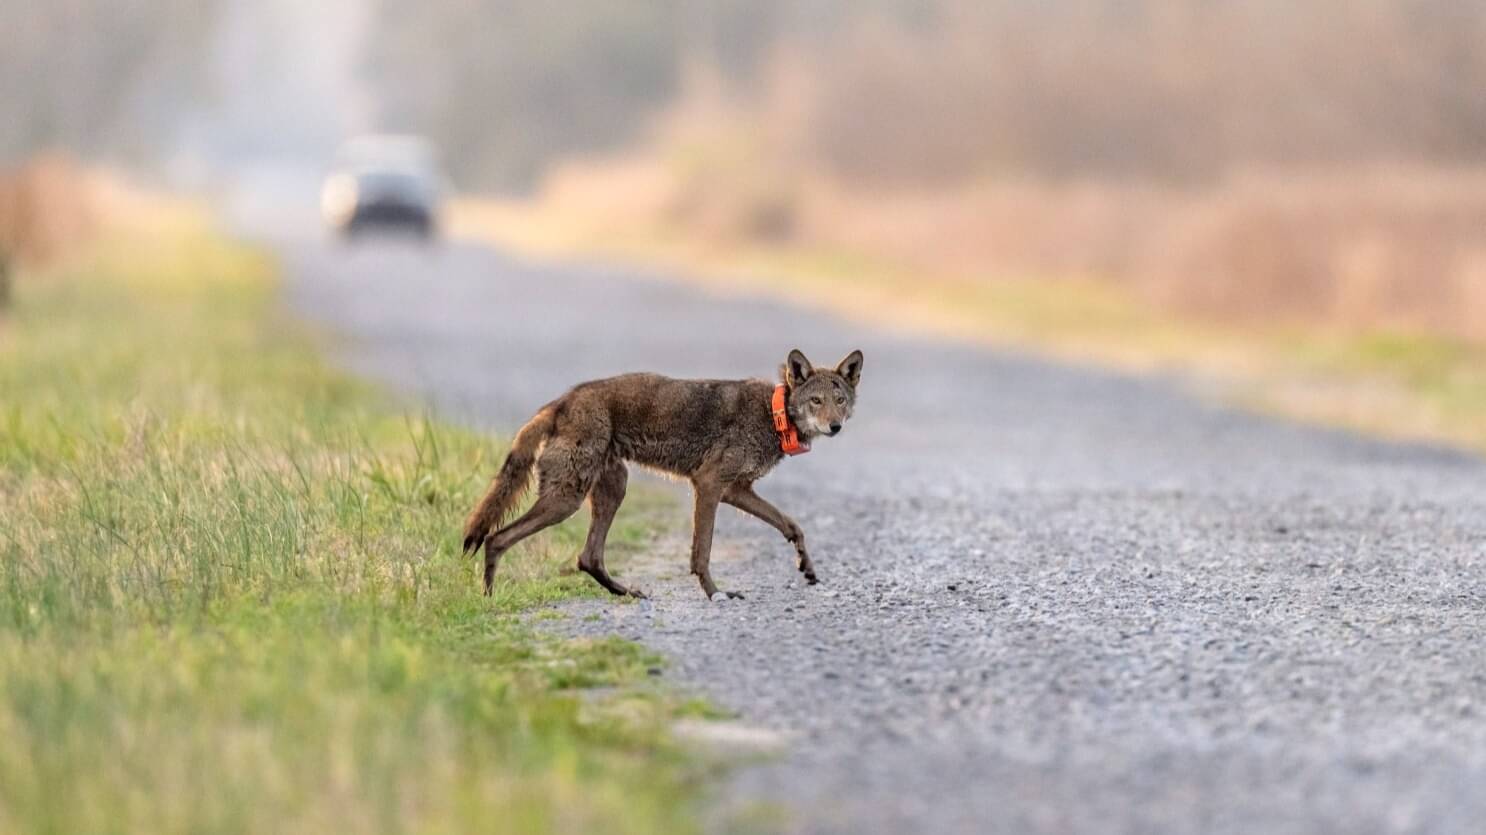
835	427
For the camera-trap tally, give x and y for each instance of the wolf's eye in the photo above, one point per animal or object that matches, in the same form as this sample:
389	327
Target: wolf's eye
815	401
840	401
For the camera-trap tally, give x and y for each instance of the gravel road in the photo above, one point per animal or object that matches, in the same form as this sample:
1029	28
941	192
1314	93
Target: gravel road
1053	599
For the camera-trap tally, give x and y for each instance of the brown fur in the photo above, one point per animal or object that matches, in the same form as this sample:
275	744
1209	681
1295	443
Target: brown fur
718	434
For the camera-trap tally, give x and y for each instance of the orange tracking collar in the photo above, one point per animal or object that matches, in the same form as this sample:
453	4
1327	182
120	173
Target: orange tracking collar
789	436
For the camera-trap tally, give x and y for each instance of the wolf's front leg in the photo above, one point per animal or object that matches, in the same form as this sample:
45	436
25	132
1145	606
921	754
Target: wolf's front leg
742	497
703	517
796	537
807	567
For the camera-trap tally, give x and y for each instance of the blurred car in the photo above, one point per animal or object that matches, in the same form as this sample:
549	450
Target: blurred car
383	184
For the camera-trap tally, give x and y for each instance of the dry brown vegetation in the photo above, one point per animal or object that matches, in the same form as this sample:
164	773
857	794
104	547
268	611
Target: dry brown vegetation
1317	167
1320	164
1362	249
48	207
1366	249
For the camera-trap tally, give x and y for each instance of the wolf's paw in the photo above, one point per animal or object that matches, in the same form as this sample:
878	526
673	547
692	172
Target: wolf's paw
720	596
810	578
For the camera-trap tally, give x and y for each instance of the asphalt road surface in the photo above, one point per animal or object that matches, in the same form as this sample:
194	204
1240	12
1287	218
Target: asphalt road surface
1053	599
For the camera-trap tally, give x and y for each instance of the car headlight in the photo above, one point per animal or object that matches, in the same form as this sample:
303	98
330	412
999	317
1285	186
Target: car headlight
338	198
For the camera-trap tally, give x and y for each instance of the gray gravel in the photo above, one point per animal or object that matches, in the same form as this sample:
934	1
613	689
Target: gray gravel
1054	599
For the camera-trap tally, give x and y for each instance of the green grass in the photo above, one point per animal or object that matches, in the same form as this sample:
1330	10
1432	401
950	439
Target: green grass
231	598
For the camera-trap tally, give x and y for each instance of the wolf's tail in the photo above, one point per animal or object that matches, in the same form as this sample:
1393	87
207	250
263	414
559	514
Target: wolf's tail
510	482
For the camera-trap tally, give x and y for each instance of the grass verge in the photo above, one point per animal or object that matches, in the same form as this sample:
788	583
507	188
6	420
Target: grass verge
1400	384
231	598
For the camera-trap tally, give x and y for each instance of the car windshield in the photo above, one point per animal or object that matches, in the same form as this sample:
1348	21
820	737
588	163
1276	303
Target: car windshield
392	182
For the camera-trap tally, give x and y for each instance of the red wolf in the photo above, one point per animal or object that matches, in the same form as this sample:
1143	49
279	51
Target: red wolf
721	435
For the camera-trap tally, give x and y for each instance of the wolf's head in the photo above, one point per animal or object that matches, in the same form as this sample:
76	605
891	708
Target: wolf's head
820	399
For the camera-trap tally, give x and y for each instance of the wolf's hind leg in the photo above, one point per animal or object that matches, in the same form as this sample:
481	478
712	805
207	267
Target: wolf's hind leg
742	497
565	473
548	511
603	501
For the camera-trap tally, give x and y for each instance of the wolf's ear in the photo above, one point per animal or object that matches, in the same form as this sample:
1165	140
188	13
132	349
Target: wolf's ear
851	368
796	369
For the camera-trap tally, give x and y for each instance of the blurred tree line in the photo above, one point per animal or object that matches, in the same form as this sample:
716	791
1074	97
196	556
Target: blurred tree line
100	78
508	86
1146	89
925	89
896	89
505	86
